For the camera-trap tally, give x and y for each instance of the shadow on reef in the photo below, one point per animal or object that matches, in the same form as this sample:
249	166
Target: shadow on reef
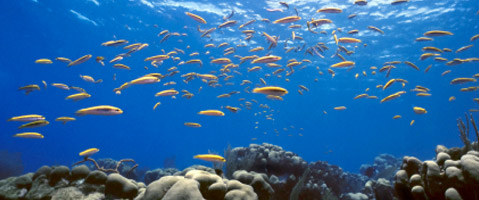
10	164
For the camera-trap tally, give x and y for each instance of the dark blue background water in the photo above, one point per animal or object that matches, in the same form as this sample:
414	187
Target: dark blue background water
49	29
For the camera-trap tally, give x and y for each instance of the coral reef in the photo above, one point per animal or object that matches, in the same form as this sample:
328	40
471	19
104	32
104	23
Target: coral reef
263	172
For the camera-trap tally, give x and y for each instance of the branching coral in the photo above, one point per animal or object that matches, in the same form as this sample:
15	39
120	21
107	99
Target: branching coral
115	170
464	132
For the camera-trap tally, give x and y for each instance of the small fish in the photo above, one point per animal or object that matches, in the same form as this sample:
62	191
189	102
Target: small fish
229	16
340	108
99	110
329	10
43	61
34	135
26	118
284	4
343	64
210	157
192	124
64	120
228	24
266	59
288	19
90	79
78	96
61	86
63	59
89	152
156	105
271	90
435	33
121	66
169	92
196	17
397	2
80	60
212	113
462	80
419	110
114	43
34	124
29	88
232	109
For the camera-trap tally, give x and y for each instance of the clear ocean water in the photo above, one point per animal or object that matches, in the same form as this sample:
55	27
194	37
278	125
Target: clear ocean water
34	29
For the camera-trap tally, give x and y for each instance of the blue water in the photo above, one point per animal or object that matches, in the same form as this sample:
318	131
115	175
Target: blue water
348	138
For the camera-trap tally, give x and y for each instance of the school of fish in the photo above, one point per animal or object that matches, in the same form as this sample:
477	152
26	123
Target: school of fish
227	67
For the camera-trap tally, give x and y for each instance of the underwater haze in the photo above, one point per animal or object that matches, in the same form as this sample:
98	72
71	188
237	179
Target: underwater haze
307	119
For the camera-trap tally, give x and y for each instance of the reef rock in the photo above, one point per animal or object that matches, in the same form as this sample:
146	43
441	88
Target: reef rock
283	167
265	158
120	187
15	187
259	182
454	174
56	183
385	166
197	184
156	174
333	177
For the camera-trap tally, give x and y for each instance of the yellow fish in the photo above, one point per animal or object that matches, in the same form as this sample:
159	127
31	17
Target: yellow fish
212	113
34	124
193	124
29	135
419	110
89	152
99	110
64	120
26	118
78	96
210	157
